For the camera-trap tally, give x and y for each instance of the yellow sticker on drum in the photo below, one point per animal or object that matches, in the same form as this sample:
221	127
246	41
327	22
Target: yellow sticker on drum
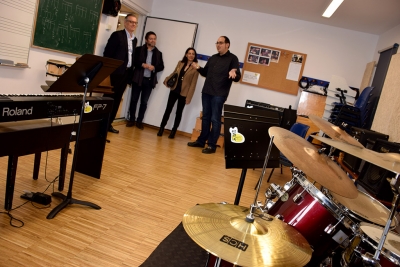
236	137
88	108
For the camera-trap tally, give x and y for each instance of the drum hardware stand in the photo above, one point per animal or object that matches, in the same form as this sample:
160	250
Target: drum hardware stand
255	205
368	259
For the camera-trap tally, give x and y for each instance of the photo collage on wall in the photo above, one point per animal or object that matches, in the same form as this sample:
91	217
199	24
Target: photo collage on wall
262	55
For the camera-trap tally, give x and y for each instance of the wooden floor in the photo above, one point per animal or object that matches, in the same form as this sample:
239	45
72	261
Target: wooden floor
147	184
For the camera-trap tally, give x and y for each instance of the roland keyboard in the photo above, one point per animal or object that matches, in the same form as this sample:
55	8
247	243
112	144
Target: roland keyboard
31	107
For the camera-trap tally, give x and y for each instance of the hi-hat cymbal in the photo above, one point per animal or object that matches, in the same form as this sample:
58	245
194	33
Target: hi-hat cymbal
222	230
388	161
334	131
319	167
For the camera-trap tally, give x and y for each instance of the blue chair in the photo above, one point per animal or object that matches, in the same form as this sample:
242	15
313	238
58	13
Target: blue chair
299	129
359	115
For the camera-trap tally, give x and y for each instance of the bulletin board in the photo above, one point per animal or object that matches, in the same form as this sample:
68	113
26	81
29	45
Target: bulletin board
273	68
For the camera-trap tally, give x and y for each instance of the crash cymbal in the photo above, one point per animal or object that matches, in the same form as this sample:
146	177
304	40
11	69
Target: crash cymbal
222	230
319	167
334	131
388	161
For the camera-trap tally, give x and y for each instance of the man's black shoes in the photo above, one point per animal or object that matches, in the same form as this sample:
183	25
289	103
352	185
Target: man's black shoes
208	150
112	130
195	144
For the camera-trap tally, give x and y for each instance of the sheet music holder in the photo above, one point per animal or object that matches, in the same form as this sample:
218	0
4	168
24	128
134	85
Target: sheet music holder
83	76
250	125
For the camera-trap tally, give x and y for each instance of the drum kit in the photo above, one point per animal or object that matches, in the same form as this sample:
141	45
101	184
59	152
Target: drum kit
319	218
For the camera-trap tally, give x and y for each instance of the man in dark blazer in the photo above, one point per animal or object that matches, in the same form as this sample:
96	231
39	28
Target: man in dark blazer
148	61
121	45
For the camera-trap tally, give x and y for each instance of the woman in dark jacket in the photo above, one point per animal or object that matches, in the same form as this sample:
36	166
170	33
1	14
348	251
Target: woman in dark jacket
182	91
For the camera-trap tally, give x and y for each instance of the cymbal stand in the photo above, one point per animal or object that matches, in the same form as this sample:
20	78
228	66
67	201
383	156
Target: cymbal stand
254	206
367	257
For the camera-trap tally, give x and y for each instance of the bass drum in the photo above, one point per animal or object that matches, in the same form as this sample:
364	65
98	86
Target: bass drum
311	213
367	241
365	208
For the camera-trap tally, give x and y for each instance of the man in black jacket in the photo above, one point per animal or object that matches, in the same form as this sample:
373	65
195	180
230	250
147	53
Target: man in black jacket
148	61
220	71
121	45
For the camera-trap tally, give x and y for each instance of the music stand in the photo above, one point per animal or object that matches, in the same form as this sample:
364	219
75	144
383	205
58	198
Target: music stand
253	124
83	76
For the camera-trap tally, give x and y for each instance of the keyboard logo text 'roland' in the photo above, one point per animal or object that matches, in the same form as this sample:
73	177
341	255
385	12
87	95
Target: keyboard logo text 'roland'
7	112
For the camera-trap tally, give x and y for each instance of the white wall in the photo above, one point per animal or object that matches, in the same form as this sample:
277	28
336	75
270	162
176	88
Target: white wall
387	39
329	51
28	81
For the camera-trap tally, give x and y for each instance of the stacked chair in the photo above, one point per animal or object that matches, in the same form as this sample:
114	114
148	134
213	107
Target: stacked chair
359	115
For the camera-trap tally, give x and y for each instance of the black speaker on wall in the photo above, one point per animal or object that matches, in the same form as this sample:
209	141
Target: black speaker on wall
111	7
374	178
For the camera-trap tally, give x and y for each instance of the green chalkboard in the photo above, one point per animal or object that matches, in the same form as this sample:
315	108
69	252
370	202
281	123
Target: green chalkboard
67	25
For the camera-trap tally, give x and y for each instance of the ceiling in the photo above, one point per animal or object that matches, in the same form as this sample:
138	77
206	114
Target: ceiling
369	16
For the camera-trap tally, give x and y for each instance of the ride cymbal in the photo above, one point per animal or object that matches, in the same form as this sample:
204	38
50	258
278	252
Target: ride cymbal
334	131
222	230
388	161
319	167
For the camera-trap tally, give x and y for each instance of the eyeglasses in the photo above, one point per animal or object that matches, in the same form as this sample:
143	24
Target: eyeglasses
219	43
133	22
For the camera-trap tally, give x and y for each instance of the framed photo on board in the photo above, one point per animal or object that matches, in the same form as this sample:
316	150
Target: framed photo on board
67	26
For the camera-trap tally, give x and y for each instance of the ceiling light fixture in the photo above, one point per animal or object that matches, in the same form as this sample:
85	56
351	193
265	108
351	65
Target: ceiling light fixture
332	8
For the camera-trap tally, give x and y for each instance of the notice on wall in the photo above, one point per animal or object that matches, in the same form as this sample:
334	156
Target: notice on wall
250	77
293	71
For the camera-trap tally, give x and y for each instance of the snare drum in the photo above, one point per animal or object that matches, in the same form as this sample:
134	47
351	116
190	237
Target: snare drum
314	215
365	208
367	241
55	67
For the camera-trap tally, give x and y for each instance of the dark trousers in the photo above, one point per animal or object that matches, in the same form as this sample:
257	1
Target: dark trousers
212	111
172	98
119	82
143	92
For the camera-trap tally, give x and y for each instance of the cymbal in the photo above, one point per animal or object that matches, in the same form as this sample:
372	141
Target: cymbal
388	161
222	230
367	207
319	167
334	131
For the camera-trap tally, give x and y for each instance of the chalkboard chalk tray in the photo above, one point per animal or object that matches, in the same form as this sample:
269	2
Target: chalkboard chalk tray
68	26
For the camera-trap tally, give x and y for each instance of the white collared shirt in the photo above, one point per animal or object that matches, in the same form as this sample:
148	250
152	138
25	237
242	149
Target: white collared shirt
130	47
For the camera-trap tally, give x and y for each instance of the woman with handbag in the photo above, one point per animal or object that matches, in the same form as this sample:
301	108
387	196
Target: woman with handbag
182	83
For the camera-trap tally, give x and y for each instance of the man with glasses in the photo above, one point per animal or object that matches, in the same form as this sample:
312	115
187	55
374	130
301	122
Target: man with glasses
220	71
121	45
148	61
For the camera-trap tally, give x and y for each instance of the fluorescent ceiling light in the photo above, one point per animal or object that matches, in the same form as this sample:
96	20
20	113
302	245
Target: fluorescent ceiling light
332	8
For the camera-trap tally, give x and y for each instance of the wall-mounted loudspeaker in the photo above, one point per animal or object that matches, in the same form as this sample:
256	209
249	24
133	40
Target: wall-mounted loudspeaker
374	178
111	7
